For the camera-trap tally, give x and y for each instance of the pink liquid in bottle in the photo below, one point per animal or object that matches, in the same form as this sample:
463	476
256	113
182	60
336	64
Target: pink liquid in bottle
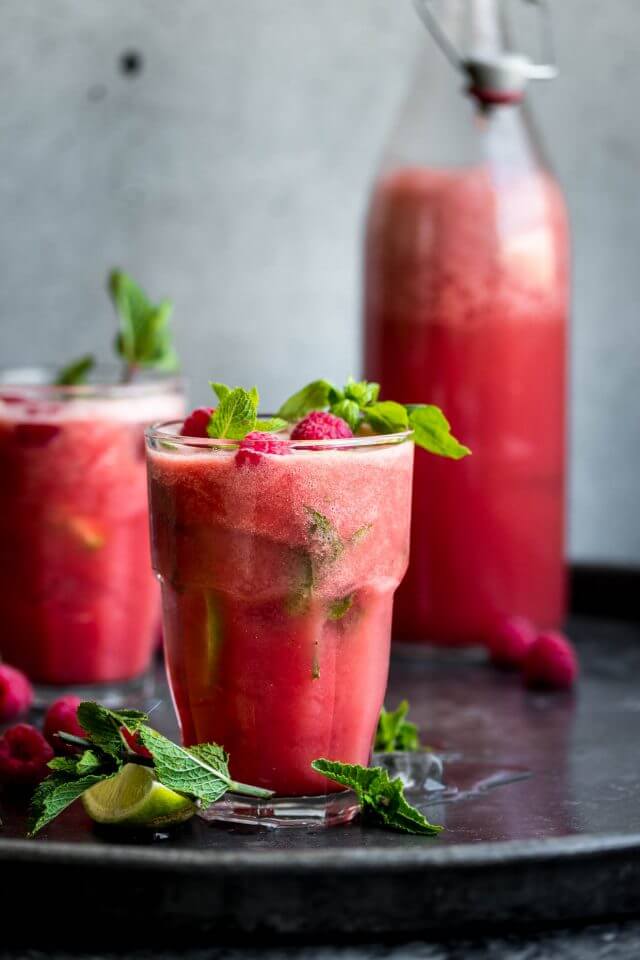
466	303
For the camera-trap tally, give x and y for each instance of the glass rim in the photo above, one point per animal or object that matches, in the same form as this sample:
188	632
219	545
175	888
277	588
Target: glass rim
158	432
35	380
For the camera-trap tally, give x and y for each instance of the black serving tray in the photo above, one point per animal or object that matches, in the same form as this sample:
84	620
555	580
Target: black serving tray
558	847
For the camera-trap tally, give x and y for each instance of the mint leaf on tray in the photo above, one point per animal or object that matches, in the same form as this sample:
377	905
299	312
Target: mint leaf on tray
382	799
395	732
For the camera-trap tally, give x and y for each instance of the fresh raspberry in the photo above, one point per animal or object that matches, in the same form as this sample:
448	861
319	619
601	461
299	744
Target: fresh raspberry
16	693
197	422
321	426
252	449
510	641
135	743
551	662
62	715
24	755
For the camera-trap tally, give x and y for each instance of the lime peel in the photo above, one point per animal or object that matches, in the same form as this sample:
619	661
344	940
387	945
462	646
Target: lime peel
134	797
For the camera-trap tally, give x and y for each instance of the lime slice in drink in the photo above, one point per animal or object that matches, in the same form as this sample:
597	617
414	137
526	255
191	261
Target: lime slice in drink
135	798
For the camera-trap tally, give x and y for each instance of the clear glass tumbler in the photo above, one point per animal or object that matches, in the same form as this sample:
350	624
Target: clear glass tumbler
278	574
79	606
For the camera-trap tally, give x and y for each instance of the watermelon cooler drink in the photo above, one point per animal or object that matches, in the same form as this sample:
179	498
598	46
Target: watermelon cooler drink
78	604
278	560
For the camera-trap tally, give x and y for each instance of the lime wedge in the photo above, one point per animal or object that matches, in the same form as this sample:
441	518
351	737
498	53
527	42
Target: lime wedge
135	798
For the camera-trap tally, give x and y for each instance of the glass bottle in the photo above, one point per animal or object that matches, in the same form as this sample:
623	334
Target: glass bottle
466	306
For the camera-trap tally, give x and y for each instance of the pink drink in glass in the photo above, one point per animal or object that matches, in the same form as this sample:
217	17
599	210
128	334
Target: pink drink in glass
278	579
466	307
78	602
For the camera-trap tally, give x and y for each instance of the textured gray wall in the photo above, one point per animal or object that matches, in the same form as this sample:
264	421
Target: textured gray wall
231	174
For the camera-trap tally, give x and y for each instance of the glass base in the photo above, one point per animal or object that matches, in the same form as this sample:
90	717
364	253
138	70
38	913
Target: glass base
328	810
135	693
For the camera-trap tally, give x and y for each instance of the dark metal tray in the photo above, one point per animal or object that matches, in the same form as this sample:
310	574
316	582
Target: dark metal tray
561	846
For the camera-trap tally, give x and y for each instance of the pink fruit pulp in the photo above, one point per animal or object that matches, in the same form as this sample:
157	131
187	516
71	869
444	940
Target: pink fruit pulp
466	307
265	653
78	602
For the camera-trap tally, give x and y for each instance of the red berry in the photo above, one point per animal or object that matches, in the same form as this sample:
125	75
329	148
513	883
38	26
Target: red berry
509	643
321	426
63	716
197	422
24	755
255	445
551	662
135	743
16	693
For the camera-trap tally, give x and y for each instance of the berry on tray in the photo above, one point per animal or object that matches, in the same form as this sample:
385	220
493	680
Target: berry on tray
551	662
16	693
510	642
24	755
62	716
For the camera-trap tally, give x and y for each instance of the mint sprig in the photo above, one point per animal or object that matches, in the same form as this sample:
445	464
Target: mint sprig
144	338
395	732
237	414
201	772
382	800
358	403
76	372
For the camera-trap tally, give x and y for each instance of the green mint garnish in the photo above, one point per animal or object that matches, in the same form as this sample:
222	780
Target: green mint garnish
315	396
432	432
357	403
55	794
201	772
339	608
237	414
382	800
76	372
387	416
144	339
395	732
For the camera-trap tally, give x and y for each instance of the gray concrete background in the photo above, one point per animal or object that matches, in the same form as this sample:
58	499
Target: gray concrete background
231	174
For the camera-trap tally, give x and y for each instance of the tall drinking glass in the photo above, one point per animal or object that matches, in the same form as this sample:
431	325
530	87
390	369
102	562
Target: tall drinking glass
278	574
78	603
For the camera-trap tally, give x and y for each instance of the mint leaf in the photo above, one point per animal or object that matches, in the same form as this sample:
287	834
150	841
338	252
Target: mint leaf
387	416
395	732
54	795
382	799
339	608
221	390
431	431
315	396
326	542
89	762
63	764
362	392
103	726
144	339
201	771
272	425
235	416
75	372
349	410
